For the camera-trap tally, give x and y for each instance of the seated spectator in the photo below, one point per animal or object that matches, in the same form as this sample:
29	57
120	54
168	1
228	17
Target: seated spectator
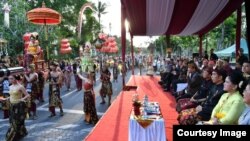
226	66
194	81
200	96
204	64
211	64
182	78
245	116
203	111
246	71
230	105
238	67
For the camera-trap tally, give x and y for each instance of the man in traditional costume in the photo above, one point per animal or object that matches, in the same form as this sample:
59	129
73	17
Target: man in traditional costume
106	88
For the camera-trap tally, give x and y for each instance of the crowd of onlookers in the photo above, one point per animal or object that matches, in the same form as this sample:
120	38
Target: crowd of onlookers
213	91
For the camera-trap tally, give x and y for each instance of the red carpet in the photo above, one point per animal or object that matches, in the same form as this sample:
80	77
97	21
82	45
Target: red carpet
113	126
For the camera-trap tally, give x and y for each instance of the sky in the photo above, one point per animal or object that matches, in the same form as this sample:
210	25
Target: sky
113	16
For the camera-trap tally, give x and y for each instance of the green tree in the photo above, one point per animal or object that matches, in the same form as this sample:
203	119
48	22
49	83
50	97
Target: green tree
18	26
100	10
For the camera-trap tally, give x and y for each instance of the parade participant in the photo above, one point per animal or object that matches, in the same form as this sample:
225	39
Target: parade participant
77	79
67	75
54	90
18	109
5	93
106	88
32	88
88	99
150	70
40	86
94	73
115	72
33	48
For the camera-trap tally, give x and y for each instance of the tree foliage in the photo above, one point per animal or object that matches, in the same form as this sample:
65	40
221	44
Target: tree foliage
69	10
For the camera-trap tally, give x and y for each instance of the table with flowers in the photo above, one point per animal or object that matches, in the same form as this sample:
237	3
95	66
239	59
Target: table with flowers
146	122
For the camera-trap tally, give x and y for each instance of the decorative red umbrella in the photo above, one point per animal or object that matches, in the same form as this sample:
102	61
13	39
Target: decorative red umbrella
44	16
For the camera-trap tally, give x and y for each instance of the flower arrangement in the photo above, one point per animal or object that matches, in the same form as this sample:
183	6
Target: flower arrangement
219	115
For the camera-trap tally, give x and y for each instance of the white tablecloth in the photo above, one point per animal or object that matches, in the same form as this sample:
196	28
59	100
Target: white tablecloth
154	132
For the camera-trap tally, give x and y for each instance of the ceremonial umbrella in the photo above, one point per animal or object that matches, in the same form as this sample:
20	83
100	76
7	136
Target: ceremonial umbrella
44	16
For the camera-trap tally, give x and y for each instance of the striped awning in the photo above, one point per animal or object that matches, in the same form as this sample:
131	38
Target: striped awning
177	17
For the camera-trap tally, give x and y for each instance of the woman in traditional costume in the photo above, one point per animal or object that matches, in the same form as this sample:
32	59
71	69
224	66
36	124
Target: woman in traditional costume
88	99
18	110
54	90
32	88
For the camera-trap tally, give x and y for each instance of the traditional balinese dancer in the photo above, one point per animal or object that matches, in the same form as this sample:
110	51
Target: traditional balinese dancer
115	72
32	88
89	98
106	88
54	90
18	109
41	82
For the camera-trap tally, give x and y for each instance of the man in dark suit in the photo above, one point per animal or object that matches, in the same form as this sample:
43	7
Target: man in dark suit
194	81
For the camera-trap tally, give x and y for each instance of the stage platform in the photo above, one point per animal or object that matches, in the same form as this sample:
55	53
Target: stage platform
113	126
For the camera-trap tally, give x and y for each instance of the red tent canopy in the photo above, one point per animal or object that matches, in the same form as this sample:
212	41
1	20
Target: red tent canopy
176	17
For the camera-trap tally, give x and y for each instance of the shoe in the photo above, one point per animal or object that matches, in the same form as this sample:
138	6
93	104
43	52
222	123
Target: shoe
103	102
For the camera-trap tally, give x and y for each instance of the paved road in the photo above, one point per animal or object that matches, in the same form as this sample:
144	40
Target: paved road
70	127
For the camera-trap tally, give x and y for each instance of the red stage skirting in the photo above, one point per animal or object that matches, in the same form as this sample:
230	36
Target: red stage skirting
113	126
